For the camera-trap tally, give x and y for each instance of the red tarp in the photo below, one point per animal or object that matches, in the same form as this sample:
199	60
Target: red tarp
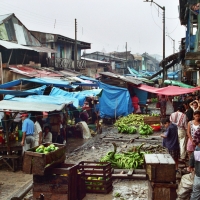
169	90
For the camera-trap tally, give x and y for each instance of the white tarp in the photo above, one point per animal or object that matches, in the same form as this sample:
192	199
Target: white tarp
29	106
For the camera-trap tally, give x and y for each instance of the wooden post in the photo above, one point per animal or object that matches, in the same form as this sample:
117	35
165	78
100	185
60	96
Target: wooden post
10	56
24	57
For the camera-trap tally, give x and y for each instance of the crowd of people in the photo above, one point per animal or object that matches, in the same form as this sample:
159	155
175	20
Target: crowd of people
182	136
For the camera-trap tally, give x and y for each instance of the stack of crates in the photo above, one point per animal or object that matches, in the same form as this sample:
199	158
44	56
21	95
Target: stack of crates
161	172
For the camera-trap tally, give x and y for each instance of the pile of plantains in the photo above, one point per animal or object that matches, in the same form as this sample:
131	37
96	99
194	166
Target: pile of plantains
127	160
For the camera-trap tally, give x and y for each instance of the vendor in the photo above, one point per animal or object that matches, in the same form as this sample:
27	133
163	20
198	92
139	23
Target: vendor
135	103
84	116
47	135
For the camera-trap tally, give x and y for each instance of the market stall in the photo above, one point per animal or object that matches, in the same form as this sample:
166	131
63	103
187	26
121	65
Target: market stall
10	146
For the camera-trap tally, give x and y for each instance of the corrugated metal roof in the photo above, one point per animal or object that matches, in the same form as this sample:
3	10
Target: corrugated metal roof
31	72
128	79
3	17
43	49
11	45
93	60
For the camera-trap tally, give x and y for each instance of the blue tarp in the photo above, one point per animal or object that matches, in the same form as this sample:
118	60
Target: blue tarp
85	84
58	100
39	91
114	101
16	92
10	84
43	81
87	78
141	94
80	96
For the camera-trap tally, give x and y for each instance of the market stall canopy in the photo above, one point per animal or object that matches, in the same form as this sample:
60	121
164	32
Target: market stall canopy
177	83
43	81
17	92
81	96
29	106
58	100
169	90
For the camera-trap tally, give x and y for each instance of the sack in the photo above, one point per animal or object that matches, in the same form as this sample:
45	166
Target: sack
185	187
158	105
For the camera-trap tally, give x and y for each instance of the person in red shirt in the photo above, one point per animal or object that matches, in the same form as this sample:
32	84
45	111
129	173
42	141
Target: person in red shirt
135	102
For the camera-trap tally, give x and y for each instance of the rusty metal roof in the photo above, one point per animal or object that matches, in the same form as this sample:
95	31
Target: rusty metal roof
43	49
31	72
69	73
127	79
11	45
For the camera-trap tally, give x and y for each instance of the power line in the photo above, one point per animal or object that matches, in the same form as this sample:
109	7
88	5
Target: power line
154	20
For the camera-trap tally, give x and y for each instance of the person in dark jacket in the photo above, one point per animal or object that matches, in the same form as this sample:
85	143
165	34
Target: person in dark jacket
195	164
170	139
188	110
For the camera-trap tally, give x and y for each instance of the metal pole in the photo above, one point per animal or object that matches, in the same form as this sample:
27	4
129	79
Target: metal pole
1	68
164	70
75	48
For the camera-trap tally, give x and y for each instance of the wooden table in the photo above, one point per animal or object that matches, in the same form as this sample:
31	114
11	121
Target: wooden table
6	154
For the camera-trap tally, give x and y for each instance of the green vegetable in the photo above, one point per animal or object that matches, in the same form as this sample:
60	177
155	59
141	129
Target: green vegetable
145	129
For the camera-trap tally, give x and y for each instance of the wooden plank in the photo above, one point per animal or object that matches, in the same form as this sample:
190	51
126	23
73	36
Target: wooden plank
50	179
58	188
151	159
133	176
165	159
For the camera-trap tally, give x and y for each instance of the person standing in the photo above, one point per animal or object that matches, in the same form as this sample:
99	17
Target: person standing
38	132
28	140
193	126
170	140
135	103
195	105
180	119
47	135
163	104
188	110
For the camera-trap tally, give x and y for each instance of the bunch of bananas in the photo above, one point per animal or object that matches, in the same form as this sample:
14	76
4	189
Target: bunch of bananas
131	119
127	160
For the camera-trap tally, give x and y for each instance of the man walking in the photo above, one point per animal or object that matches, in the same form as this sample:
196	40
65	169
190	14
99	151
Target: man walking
180	119
28	140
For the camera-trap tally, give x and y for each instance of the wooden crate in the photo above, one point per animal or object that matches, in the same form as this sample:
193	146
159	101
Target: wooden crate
37	163
152	120
98	176
159	191
57	183
160	167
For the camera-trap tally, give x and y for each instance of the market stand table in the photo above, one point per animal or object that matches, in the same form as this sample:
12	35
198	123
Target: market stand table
6	154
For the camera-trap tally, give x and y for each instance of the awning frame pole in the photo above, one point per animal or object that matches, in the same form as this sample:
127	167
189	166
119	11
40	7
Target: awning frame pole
10	56
24	57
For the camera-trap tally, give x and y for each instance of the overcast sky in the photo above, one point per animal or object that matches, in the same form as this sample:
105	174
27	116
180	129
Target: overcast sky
106	24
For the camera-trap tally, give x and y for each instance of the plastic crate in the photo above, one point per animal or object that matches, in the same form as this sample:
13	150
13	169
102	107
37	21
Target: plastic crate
97	175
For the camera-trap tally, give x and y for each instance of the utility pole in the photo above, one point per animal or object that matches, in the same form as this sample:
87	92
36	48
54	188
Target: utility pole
173	47
126	54
75	47
163	65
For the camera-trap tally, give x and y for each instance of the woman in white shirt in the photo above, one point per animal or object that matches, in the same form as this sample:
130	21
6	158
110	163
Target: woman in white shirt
47	135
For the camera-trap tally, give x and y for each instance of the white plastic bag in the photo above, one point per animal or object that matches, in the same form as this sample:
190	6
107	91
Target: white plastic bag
185	187
85	129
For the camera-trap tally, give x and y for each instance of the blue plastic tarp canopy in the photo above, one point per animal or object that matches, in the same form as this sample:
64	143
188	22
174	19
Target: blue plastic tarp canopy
39	91
16	92
43	81
114	101
59	100
88	78
80	96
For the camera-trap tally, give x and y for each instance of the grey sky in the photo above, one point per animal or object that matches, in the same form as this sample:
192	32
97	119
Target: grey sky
107	24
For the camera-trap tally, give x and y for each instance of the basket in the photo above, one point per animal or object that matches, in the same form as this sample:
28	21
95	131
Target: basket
156	128
98	176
